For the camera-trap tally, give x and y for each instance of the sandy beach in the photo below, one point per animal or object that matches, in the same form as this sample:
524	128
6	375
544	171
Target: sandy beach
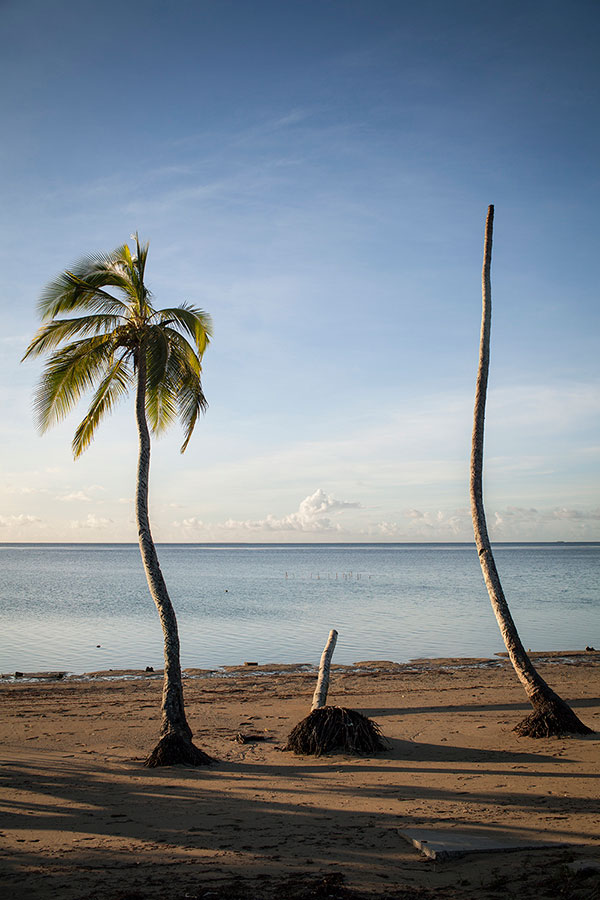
82	817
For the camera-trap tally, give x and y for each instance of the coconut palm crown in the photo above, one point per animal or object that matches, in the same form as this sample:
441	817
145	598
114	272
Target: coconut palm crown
103	346
114	341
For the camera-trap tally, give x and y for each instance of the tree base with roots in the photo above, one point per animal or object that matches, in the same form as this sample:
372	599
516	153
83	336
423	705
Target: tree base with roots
332	728
176	750
551	718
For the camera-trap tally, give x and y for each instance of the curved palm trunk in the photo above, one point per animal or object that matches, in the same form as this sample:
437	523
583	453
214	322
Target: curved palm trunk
175	744
551	714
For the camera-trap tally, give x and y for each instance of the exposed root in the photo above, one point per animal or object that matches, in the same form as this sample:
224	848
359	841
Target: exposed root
175	750
551	718
332	728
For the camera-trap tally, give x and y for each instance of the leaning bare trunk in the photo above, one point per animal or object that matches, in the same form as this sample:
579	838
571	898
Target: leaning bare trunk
175	744
551	714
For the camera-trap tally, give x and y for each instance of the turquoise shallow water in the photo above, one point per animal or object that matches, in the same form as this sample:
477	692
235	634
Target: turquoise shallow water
276	603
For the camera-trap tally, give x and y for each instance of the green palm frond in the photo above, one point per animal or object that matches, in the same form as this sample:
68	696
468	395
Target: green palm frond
142	254
113	386
113	270
193	321
179	392
161	407
186	374
69	373
135	266
161	387
192	403
179	344
70	291
55	332
157	348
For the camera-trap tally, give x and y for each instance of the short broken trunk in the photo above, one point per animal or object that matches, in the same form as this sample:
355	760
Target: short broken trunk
330	728
176	750
334	728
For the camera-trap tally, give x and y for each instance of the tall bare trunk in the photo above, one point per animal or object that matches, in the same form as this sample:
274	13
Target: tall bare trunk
175	744
551	714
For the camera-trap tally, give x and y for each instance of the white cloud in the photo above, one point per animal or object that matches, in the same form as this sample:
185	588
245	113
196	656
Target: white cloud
193	522
428	525
91	521
516	523
19	521
314	515
23	489
512	523
83	495
586	515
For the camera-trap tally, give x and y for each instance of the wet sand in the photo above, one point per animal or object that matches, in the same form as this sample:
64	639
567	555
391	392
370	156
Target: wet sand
82	817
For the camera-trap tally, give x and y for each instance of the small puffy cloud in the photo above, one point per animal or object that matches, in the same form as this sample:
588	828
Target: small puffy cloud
84	495
91	521
388	530
192	522
313	515
314	507
19	521
80	496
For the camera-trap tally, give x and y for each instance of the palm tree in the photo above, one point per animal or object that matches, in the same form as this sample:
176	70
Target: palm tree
551	715
116	341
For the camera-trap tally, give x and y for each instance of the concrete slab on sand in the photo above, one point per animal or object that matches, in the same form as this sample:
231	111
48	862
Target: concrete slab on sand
448	843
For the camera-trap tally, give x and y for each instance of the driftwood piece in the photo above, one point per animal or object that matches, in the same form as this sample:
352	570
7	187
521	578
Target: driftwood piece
320	695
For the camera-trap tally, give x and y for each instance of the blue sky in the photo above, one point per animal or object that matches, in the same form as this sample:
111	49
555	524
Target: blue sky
316	175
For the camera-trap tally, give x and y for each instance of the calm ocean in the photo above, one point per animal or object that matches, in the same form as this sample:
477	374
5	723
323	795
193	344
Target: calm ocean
276	603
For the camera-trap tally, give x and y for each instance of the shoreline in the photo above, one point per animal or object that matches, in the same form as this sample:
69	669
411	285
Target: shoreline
571	657
83	817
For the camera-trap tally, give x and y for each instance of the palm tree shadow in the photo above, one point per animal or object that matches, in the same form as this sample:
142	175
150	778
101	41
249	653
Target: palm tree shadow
381	712
407	750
